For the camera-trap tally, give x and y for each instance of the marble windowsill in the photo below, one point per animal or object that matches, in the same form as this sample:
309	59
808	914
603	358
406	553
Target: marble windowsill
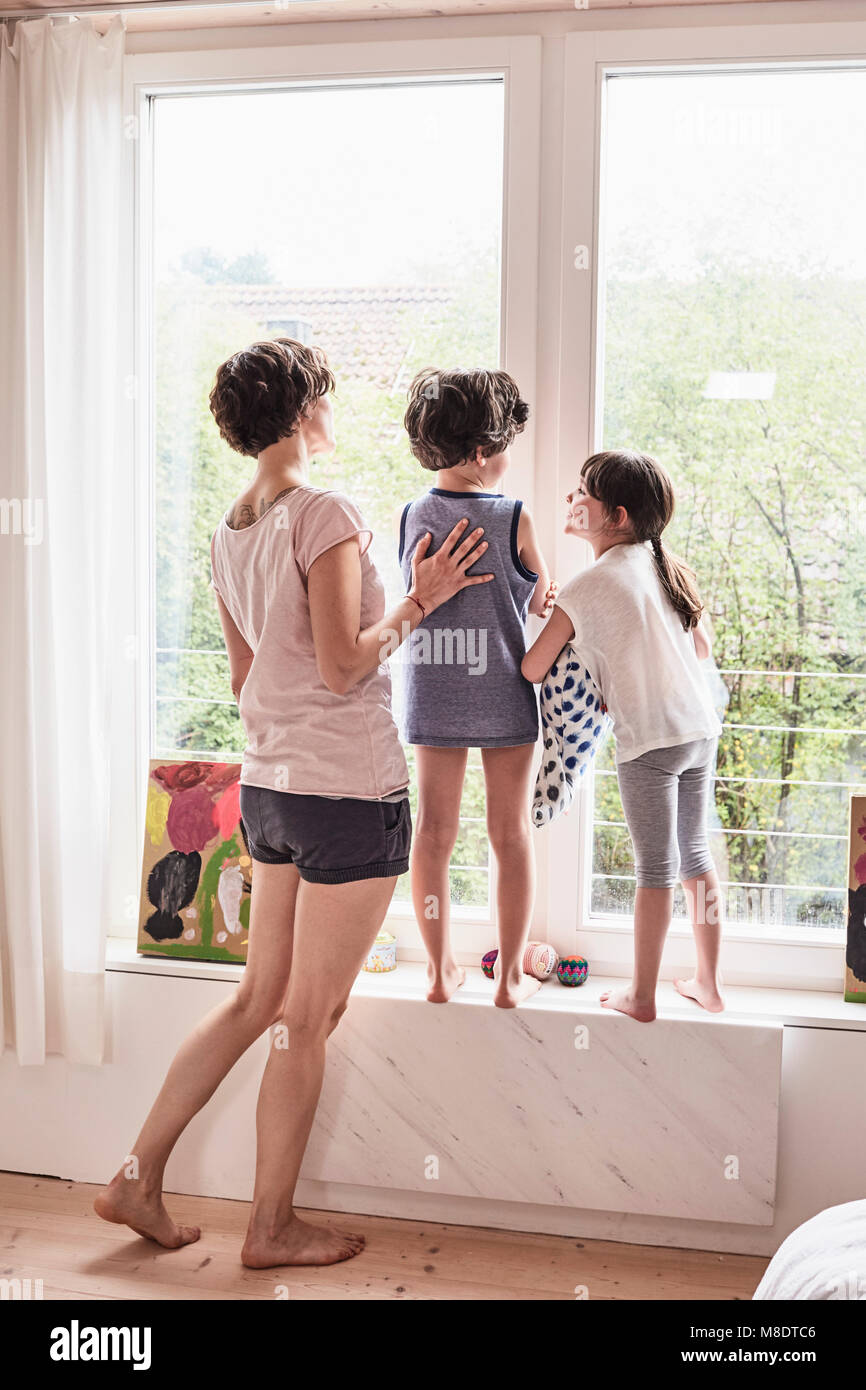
805	1008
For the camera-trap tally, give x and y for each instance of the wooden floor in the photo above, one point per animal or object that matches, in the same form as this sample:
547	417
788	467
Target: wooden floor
49	1231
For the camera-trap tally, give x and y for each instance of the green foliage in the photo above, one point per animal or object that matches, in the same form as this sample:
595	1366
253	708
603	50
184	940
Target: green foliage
770	514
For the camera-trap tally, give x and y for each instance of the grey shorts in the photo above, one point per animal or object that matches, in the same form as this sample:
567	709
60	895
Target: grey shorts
664	795
328	840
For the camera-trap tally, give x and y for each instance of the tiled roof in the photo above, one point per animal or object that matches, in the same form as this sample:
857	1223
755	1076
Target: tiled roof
367	333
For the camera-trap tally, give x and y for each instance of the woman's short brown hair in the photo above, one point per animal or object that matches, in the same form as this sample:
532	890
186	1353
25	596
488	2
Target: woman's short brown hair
261	393
453	413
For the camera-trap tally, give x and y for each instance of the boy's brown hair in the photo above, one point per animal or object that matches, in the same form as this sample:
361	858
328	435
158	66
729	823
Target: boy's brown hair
453	413
261	393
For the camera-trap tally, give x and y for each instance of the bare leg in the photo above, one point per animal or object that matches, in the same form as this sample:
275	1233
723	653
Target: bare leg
341	919
704	897
507	778
134	1195
441	772
652	917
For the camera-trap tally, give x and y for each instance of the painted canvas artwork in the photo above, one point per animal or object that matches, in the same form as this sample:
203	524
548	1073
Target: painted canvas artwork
196	872
855	955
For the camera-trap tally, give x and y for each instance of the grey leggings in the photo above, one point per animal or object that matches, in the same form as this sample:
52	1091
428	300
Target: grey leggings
664	796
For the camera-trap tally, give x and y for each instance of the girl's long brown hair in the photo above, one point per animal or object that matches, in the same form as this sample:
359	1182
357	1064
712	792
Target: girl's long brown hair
638	482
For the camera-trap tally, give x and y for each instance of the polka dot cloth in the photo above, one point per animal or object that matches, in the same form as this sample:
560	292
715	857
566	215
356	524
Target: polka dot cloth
574	724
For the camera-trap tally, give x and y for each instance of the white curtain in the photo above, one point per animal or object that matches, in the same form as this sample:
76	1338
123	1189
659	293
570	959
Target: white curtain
61	143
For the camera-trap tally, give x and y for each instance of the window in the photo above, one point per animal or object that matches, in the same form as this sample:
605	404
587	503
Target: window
732	344
714	314
365	217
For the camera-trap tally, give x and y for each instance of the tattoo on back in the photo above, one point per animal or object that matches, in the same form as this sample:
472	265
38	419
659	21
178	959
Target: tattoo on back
244	513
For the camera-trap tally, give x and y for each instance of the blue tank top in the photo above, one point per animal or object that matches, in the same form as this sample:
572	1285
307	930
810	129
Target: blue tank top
462	684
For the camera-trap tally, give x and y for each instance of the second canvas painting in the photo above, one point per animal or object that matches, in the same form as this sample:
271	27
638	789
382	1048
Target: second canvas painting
855	955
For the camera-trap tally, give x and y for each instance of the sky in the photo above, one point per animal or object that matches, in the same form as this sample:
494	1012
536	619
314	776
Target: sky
354	184
340	185
769	165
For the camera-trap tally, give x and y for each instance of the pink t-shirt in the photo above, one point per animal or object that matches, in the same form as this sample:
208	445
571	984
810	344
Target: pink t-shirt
301	737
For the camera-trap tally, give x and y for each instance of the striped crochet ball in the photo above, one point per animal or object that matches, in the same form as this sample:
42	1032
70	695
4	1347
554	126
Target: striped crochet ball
572	970
487	963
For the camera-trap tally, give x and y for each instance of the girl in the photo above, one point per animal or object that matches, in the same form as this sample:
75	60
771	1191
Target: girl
324	811
634	616
463	685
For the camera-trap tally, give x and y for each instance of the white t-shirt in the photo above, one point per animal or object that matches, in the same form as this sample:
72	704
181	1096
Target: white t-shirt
637	651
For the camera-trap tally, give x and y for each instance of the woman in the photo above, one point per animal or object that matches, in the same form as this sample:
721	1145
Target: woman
324	807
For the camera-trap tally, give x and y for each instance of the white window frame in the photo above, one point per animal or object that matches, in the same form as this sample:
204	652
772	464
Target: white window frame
565	391
805	959
518	60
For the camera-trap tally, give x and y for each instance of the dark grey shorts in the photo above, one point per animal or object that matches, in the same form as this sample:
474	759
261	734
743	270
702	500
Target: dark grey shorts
328	841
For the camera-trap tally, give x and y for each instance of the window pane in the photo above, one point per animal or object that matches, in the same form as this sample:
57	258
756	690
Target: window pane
364	218
734	349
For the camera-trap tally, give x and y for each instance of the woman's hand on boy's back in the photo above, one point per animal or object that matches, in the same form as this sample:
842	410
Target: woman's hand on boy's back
346	652
438	577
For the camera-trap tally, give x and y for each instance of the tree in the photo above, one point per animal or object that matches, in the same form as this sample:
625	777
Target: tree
767	513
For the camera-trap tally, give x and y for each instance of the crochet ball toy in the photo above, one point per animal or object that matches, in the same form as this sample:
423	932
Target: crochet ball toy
572	970
539	960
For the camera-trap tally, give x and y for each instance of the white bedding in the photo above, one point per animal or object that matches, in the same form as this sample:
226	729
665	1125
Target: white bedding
825	1258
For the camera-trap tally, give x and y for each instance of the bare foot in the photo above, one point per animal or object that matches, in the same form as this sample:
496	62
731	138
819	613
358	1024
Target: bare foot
125	1202
510	993
299	1243
707	996
443	985
625	1003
